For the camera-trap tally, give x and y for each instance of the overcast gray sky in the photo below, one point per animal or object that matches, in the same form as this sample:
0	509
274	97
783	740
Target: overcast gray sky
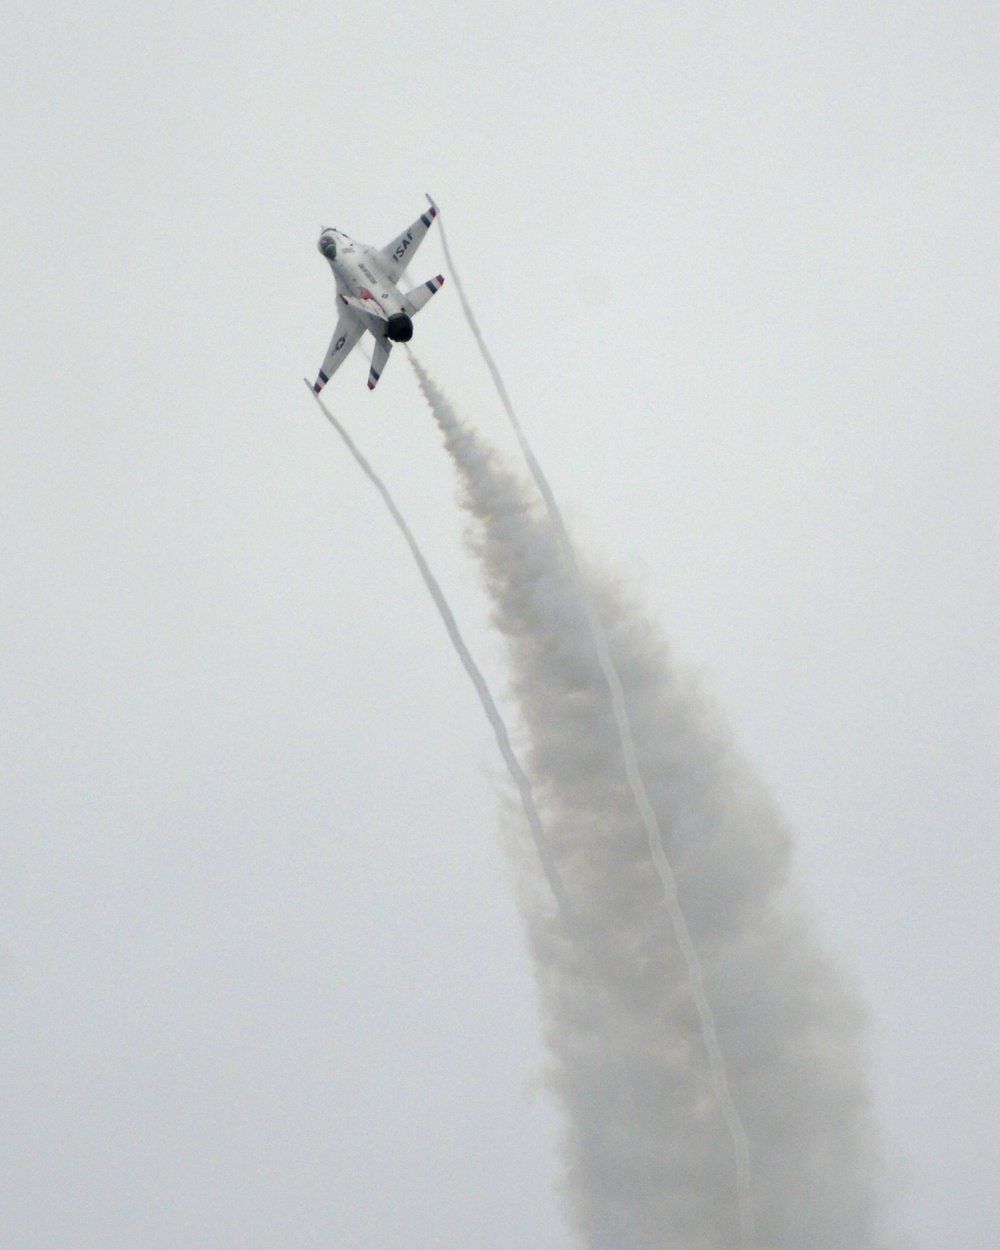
262	977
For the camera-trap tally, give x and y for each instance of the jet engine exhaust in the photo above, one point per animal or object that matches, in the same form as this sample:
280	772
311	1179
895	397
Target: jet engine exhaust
399	328
647	1158
717	1067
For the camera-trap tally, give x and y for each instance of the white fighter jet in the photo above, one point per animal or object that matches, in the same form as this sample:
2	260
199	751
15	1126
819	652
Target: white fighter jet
368	298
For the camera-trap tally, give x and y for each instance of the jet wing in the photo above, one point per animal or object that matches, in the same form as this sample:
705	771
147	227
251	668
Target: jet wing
395	256
350	328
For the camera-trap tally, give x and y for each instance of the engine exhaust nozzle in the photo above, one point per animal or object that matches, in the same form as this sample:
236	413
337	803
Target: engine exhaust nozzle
400	328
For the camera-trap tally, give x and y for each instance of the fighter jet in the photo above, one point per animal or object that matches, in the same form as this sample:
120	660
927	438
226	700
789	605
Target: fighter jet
368	298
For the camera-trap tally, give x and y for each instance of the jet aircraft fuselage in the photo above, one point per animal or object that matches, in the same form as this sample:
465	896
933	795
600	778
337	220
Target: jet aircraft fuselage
368	297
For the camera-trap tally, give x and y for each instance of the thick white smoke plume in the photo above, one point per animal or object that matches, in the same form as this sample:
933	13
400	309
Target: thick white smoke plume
636	784
648	1159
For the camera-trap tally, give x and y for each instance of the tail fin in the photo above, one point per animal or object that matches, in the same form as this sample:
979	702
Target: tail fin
419	296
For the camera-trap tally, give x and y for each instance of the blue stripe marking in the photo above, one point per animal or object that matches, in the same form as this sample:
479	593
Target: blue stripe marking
425	219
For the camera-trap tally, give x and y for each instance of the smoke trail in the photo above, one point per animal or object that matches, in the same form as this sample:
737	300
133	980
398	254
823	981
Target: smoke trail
485	697
647	1160
654	836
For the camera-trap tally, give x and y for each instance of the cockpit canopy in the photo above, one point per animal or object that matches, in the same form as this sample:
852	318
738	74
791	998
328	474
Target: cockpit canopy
328	246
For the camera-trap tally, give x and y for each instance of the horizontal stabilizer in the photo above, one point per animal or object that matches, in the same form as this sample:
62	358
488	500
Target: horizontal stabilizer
383	347
419	296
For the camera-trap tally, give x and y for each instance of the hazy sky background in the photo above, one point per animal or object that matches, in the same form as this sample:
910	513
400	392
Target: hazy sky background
262	978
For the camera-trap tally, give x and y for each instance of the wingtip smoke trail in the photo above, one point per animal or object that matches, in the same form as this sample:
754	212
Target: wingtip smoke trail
654	835
517	773
646	1160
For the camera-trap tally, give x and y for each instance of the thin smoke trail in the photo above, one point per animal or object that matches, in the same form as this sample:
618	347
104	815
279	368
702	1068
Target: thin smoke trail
654	835
646	1156
485	697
